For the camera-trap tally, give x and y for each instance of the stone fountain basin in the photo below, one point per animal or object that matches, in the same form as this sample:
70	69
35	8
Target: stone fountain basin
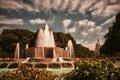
5	66
55	67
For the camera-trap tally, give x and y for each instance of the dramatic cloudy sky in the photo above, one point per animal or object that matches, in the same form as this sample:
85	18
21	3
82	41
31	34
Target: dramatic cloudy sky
86	20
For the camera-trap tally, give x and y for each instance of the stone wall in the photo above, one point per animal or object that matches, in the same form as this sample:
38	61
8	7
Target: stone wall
49	52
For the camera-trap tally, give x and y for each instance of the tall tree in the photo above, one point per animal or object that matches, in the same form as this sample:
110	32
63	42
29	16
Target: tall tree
111	46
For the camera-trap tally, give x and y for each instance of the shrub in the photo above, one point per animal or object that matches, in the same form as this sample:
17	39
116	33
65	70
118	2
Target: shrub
94	69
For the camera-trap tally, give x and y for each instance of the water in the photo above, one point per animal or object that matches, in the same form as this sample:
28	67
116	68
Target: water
45	38
17	51
59	69
39	40
52	39
70	48
26	47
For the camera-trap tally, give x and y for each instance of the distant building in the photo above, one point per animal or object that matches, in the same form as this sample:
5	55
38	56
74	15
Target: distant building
97	48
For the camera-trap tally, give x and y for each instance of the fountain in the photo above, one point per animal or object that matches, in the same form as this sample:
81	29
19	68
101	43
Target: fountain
45	38
45	47
39	40
66	48
70	48
17	51
26	47
52	39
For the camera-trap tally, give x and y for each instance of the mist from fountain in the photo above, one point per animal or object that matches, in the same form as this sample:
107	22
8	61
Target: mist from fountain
71	49
17	51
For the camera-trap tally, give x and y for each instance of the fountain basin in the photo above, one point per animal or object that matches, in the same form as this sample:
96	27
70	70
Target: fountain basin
56	67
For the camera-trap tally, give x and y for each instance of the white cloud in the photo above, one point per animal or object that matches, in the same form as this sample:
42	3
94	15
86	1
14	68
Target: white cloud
73	4
56	4
108	22
72	30
105	8
66	23
10	4
101	34
37	21
12	21
113	1
86	4
111	10
28	7
91	30
64	4
46	5
84	34
86	23
98	7
91	45
98	28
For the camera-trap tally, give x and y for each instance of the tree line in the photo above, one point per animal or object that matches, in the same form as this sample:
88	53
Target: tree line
9	38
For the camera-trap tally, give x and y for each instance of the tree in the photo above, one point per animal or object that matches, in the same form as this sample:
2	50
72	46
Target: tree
112	43
82	51
7	43
62	39
9	38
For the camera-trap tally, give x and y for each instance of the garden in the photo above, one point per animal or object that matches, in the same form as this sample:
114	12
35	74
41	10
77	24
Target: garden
84	69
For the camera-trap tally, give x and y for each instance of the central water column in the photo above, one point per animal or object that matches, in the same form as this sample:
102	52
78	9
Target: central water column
44	39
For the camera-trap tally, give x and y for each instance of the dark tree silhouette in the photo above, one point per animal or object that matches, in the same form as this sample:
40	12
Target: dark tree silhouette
111	46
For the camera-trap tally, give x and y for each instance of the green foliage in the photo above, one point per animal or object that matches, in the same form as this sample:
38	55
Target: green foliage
9	38
112	43
62	40
27	73
94	69
82	51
